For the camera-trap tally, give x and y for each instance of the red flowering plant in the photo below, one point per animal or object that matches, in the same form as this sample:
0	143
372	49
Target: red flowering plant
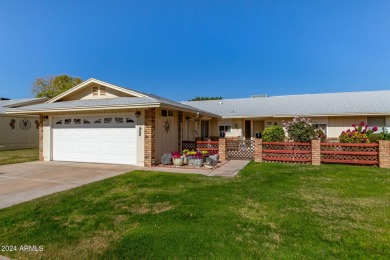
359	134
176	155
197	155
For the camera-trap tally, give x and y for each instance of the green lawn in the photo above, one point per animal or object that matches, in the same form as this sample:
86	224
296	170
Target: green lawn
269	211
18	156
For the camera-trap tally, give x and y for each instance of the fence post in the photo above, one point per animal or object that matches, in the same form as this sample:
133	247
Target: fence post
384	154
258	150
222	149
315	152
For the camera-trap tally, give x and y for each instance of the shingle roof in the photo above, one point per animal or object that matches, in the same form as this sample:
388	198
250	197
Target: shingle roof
370	102
107	102
6	104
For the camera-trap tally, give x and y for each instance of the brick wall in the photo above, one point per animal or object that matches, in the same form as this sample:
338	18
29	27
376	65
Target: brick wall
222	149
316	152
258	150
384	154
40	136
150	133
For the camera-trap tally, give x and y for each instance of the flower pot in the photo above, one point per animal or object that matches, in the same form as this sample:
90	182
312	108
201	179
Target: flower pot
186	159
197	162
178	161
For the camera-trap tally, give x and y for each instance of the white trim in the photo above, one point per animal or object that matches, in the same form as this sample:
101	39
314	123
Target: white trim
92	80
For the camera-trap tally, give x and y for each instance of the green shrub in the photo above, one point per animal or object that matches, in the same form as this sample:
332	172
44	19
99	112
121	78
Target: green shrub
301	129
374	137
274	134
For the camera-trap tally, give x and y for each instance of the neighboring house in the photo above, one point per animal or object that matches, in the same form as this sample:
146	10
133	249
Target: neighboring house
333	112
103	123
18	131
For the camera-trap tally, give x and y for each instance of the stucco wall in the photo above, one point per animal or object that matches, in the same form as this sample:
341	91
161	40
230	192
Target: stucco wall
17	138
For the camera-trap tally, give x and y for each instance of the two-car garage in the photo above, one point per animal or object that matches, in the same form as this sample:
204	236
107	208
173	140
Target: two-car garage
95	139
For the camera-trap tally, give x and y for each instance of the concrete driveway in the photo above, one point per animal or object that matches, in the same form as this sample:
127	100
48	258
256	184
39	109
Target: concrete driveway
26	181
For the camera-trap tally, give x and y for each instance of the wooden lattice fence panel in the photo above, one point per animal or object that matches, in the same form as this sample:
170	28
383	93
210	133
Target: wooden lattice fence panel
287	152
240	149
364	154
190	145
210	146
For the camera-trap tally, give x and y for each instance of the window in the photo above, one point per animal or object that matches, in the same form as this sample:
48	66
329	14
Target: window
77	121
107	120
376	121
85	121
204	129
225	128
322	127
166	113
98	121
129	120
118	120
95	91
59	122
102	90
68	121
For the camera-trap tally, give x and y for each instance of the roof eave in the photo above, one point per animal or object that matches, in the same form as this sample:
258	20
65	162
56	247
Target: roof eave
81	108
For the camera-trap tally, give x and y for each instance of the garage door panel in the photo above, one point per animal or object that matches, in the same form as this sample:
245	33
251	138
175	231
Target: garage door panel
96	143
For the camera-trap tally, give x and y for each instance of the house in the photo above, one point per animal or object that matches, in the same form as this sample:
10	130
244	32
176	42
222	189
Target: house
18	131
99	122
333	112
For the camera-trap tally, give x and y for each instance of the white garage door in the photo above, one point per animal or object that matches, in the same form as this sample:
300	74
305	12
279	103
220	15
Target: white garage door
96	139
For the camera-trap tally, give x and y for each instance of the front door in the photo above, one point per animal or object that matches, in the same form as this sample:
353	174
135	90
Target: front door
248	129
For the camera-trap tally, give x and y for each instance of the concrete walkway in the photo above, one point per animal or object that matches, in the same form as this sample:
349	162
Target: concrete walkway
229	169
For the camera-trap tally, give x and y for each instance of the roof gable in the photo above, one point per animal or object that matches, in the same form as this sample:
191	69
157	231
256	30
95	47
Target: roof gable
85	91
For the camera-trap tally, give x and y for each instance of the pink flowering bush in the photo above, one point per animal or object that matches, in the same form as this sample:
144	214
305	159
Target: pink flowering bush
359	134
303	129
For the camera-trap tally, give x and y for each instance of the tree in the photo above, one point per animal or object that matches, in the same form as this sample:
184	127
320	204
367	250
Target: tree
205	98
52	86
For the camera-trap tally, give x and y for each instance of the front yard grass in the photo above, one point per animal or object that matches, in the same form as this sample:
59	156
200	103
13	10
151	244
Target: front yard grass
269	211
18	156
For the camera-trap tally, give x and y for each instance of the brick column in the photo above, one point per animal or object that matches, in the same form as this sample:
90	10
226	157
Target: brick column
315	152
222	149
258	150
150	142
384	154
40	137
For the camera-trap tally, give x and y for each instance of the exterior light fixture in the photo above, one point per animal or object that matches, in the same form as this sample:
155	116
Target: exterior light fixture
137	113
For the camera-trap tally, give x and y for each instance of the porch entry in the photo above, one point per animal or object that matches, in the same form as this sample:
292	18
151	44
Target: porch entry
248	130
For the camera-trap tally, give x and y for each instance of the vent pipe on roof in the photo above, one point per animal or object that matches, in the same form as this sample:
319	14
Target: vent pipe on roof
259	96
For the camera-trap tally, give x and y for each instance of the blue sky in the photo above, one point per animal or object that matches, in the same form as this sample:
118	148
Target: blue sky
183	49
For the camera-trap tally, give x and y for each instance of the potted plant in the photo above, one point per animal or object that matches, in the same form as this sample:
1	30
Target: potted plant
258	134
197	159
178	160
205	154
186	156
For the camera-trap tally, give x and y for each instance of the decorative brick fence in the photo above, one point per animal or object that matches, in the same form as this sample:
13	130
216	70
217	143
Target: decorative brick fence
312	153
